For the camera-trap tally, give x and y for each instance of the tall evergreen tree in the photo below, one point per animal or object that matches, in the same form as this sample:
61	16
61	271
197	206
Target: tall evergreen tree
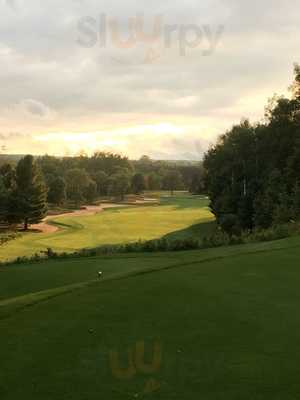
30	195
4	195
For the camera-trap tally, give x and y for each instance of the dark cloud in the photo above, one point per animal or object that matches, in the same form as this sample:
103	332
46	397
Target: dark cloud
36	108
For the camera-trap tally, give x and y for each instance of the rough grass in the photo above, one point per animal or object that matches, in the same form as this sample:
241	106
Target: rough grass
179	214
226	319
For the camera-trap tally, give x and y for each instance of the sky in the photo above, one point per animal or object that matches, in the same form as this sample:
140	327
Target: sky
139	77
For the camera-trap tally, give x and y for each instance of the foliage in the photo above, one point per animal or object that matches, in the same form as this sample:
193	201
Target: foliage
27	203
4	200
154	181
57	191
138	183
90	192
173	180
119	184
196	181
71	181
77	182
253	170
296	201
101	179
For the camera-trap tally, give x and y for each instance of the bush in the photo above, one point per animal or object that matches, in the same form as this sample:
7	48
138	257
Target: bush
230	224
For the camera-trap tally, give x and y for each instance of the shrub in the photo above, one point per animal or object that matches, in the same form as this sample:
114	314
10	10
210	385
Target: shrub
230	224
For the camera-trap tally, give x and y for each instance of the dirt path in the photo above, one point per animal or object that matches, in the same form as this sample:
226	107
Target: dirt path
45	227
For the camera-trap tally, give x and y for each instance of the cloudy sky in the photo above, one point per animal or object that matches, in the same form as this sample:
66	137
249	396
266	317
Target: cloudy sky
139	77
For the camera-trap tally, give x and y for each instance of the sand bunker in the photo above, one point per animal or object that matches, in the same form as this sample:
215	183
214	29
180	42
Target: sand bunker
45	227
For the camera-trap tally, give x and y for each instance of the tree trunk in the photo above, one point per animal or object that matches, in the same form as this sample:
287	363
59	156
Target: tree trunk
26	225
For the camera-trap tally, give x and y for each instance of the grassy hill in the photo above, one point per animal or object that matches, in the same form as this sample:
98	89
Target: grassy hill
225	321
179	216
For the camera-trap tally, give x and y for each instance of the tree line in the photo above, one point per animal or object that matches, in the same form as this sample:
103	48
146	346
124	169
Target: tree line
253	172
26	189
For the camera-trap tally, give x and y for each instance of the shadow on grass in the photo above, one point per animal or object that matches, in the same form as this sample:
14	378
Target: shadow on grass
185	202
197	231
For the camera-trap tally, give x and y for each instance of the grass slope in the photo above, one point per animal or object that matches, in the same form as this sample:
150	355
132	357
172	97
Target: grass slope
180	214
226	319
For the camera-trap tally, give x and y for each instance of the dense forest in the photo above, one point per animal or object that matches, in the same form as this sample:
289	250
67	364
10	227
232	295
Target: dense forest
29	186
253	172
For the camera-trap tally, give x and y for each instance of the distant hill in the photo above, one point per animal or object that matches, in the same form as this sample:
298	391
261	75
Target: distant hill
14	158
181	163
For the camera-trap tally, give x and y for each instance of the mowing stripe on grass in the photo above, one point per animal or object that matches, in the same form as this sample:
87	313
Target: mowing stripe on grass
9	306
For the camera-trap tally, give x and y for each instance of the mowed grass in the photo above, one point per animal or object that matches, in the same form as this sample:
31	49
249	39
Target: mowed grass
186	215
227	322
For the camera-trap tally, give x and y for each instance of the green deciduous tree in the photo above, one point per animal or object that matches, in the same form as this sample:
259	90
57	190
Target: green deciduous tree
101	179
252	171
57	191
138	183
119	185
90	192
77	181
154	181
173	181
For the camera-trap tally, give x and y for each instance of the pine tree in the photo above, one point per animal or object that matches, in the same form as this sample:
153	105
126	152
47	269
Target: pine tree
3	204
30	196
